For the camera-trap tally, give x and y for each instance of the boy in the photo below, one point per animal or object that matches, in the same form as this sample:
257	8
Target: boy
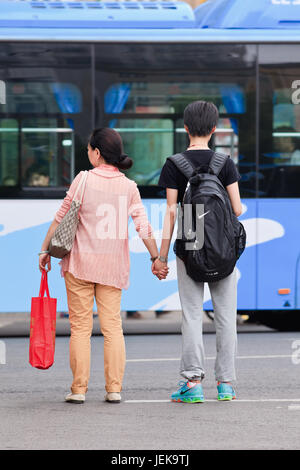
200	121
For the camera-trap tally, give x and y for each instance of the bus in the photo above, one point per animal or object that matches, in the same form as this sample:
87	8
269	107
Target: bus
67	67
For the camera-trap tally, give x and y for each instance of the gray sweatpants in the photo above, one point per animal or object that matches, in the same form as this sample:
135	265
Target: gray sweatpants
224	299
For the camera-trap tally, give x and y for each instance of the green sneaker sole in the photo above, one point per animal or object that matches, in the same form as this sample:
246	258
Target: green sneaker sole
188	400
226	398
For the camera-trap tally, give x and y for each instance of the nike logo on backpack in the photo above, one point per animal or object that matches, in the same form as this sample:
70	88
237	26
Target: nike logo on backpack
200	216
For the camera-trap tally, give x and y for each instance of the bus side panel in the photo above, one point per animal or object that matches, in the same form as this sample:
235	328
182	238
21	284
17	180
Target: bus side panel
278	254
246	265
24	225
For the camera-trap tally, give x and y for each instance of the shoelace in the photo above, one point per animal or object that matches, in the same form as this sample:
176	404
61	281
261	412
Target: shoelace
182	383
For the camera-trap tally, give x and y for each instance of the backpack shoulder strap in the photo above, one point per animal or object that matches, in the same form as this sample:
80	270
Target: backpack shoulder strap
182	164
217	162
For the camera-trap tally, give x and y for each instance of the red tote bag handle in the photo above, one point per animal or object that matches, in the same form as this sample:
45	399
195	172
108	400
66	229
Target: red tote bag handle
44	285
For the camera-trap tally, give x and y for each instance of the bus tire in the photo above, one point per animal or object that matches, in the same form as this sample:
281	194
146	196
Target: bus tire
280	320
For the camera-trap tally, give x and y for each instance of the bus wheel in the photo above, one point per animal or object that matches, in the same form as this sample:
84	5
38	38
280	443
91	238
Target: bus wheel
281	320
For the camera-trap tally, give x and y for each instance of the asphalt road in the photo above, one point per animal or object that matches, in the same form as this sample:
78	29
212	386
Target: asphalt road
266	414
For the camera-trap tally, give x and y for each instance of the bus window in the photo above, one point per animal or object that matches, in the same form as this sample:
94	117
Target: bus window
142	91
152	138
286	146
47	152
38	97
172	97
9	163
46	117
156	139
226	138
279	166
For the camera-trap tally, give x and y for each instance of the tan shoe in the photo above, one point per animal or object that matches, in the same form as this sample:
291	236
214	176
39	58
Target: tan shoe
75	398
113	397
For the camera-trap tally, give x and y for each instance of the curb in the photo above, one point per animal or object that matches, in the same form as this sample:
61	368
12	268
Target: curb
18	325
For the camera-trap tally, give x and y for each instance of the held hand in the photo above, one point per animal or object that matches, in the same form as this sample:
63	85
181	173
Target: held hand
44	259
160	274
160	269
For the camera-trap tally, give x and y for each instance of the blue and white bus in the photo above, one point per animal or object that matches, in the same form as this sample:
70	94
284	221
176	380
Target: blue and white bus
67	67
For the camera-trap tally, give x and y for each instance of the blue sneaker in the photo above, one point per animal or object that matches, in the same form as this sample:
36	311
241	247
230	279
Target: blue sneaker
189	392
226	391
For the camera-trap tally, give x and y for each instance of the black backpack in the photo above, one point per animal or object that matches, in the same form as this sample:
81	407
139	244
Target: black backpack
210	237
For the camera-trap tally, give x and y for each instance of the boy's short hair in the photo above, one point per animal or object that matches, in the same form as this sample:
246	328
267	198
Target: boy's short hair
200	117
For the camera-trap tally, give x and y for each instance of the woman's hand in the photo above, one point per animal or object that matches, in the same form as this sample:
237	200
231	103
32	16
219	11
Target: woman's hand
44	259
160	269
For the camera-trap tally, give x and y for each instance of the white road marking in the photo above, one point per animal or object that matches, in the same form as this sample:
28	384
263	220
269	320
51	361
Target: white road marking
268	400
162	359
270	356
294	408
262	400
159	359
147	401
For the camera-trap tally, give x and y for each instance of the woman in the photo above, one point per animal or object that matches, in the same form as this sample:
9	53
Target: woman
98	264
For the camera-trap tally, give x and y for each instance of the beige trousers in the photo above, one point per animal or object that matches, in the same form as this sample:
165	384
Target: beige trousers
80	296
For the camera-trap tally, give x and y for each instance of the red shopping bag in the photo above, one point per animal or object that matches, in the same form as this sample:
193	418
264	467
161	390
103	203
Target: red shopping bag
42	328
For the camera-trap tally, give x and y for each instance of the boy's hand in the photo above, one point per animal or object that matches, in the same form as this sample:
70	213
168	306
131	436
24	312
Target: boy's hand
160	269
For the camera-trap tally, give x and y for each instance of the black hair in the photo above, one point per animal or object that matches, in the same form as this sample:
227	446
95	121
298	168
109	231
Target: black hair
200	117
110	145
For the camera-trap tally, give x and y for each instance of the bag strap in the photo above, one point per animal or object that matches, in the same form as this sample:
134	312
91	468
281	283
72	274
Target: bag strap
182	164
217	162
82	183
44	285
83	186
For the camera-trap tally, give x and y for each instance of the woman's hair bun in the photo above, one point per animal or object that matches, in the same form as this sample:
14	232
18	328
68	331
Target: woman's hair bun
125	162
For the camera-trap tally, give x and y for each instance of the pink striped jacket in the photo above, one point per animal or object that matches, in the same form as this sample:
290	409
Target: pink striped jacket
100	252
